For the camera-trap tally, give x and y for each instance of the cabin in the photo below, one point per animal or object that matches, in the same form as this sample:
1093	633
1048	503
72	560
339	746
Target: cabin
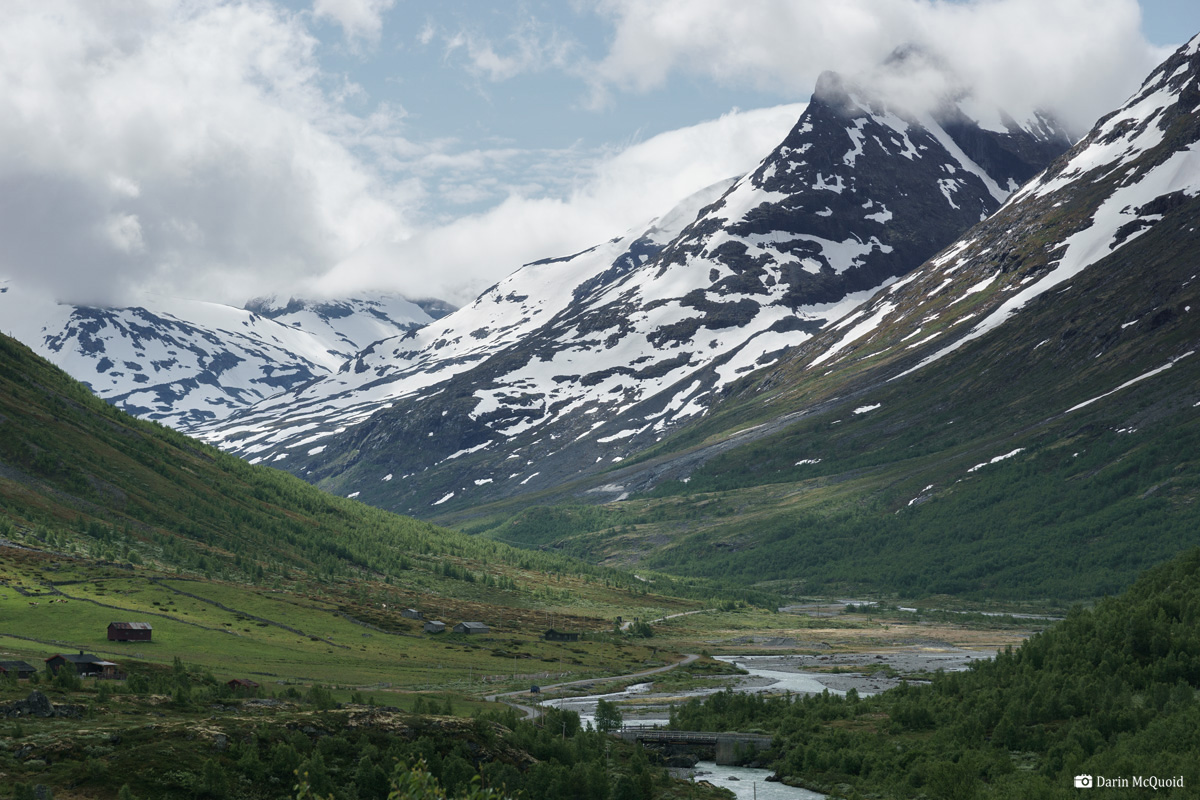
560	636
412	613
84	664
22	670
433	626
129	631
242	685
471	627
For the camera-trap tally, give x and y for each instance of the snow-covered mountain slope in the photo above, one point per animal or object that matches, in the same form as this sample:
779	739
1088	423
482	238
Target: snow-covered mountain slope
504	317
1027	401
347	326
184	362
1138	169
572	364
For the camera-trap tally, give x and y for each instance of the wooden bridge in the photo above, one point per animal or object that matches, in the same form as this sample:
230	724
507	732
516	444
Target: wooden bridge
726	746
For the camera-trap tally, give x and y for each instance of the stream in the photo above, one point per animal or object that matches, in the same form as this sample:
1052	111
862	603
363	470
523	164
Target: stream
750	784
746	783
774	674
776	681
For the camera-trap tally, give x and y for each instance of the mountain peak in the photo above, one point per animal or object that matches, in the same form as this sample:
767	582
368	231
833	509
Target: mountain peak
830	88
571	364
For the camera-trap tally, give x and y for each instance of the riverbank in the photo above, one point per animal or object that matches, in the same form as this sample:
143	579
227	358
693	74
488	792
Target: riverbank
746	783
867	672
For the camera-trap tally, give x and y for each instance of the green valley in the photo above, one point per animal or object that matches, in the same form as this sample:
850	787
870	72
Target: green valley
244	573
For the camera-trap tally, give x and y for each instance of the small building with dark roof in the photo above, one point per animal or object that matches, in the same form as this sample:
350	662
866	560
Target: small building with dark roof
471	627
84	664
433	626
242	685
560	636
412	613
129	631
21	669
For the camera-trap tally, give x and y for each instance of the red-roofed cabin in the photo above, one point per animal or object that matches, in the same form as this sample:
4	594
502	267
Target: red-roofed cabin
129	631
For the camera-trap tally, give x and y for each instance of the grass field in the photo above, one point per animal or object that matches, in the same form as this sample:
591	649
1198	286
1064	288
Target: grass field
283	637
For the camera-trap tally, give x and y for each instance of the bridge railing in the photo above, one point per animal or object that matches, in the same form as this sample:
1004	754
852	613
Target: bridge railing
654	733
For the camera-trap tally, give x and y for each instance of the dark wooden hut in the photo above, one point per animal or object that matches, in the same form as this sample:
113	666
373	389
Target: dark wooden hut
84	664
129	631
22	670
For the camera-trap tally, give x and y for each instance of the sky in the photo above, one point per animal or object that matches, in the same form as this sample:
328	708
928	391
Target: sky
230	149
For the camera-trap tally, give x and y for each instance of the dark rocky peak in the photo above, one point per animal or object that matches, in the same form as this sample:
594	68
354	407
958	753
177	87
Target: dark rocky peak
860	191
920	88
833	90
1011	152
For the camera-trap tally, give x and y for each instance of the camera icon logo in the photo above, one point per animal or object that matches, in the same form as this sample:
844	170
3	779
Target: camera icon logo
1083	781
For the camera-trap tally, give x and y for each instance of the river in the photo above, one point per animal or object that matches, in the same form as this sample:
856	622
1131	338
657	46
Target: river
775	674
750	784
651	707
778	681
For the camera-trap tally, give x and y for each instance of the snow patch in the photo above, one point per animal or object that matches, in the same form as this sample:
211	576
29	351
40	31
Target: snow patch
857	332
1132	381
997	459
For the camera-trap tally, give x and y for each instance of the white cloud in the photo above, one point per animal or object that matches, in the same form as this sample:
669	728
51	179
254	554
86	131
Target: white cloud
124	232
200	148
620	190
531	47
1079	58
428	31
359	19
178	145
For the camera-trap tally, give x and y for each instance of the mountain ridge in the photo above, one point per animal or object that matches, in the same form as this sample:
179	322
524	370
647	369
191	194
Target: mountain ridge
645	330
184	362
1017	415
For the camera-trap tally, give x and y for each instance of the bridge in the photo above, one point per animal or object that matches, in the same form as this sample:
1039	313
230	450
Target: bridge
726	747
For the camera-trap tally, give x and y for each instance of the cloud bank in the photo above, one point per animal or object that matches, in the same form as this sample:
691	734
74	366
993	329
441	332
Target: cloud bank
360	19
202	148
1077	58
621	189
184	145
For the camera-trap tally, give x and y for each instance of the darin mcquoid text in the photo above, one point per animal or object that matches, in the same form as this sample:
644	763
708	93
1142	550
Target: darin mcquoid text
1152	782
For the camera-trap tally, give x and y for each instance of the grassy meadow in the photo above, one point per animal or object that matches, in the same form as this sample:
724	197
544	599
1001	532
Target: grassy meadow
282	637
